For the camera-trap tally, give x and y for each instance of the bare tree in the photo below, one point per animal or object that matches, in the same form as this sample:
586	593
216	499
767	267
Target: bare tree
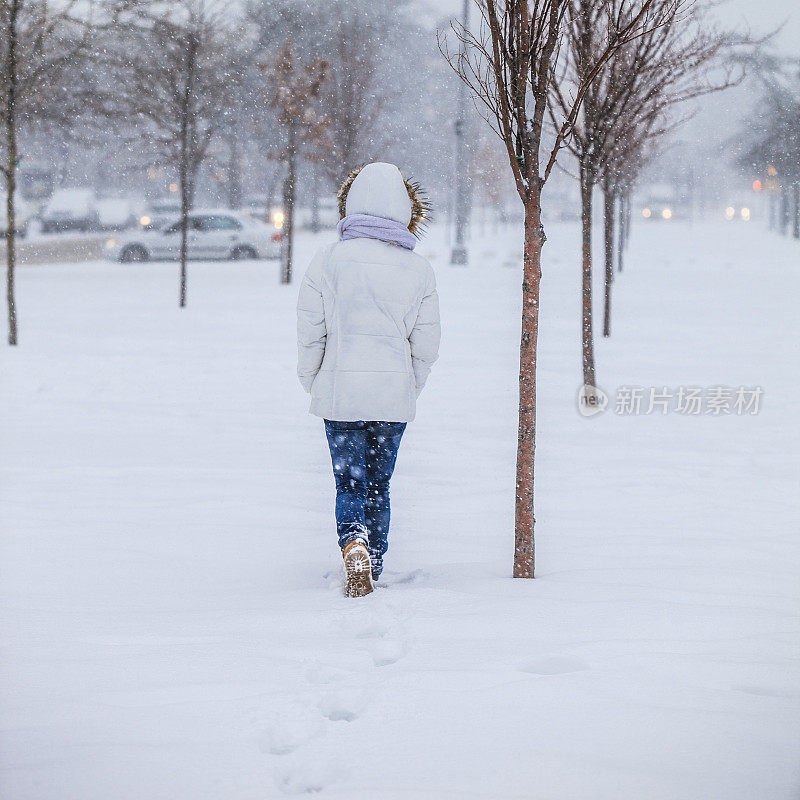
295	89
683	58
634	147
364	52
632	153
175	67
605	105
41	44
510	66
772	135
354	97
665	65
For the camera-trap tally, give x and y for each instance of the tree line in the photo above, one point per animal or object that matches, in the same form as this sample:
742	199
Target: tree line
294	87
605	76
769	143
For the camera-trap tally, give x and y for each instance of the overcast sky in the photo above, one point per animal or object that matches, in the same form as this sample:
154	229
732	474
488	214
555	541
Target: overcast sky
760	16
717	117
764	15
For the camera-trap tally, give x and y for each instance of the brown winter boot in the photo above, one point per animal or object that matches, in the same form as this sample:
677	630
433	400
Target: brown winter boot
357	569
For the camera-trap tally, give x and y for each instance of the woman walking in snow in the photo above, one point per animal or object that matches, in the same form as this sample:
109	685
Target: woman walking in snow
367	335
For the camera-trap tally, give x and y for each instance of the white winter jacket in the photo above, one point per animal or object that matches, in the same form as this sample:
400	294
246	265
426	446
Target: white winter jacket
368	315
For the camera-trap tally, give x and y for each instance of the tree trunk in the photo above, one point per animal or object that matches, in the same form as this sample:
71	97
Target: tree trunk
11	167
288	201
622	230
186	120
609	206
315	224
524	550
184	224
783	213
234	184
772	211
796	211
628	209
587	335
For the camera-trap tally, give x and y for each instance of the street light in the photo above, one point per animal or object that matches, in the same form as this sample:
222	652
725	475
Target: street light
459	254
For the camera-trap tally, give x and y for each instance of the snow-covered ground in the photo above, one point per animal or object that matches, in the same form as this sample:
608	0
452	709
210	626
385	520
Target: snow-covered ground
172	623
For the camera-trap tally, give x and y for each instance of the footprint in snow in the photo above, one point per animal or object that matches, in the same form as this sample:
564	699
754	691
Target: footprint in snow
308	776
289	729
321	674
395	578
334	579
554	665
342	705
382	637
388	651
373	630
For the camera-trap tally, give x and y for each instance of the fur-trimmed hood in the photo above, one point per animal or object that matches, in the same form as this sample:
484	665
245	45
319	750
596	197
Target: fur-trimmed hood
379	189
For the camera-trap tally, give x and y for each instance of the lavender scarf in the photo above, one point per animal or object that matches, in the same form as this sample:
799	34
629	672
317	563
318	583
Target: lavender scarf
365	226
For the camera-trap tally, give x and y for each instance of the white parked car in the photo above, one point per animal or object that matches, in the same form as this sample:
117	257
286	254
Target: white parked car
159	212
212	234
117	214
23	211
70	209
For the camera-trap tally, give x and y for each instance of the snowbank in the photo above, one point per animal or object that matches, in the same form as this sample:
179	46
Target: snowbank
170	595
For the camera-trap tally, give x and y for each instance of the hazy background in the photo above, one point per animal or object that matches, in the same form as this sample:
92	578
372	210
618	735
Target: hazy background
714	125
761	17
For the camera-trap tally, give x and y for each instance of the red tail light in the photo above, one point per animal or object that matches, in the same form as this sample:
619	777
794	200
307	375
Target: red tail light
276	237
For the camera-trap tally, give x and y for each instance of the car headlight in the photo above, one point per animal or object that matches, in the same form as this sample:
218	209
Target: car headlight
111	243
666	213
646	213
